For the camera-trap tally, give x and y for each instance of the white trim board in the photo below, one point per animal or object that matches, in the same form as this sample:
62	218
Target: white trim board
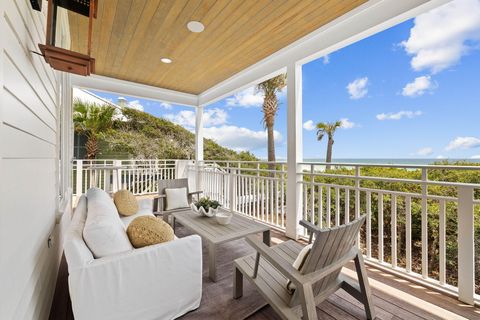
133	89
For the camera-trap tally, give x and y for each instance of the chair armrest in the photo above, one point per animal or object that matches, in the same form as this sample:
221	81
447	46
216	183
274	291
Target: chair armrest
195	193
276	260
309	226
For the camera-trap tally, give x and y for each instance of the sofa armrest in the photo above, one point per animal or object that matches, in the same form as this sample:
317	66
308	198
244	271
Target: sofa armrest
164	280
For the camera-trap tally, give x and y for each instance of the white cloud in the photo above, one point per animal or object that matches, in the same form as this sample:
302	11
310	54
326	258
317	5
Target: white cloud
398	115
443	35
347	124
246	99
427	151
211	117
440	157
419	86
326	59
463	143
239	138
357	89
135	104
309	125
166	105
477	156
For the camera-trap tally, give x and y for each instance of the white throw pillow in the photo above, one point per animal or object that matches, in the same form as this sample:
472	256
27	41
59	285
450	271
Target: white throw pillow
298	264
176	198
104	233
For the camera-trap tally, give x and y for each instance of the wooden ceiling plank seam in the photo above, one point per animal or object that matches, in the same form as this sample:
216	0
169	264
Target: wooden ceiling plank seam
152	47
220	36
148	23
204	14
105	32
124	8
173	39
96	27
135	14
237	31
232	51
293	35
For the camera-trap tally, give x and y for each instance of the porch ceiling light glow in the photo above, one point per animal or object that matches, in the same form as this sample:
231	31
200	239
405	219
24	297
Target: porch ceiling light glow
195	26
166	60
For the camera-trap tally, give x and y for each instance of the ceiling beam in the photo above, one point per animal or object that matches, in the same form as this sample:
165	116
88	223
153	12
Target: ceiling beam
372	17
133	89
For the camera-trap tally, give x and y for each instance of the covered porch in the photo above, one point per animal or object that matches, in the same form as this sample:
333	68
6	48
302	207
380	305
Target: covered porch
410	279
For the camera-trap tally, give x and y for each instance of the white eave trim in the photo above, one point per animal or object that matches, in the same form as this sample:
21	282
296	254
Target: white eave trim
370	18
133	89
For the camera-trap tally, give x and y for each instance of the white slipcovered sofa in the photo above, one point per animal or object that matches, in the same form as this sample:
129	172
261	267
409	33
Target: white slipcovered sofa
162	281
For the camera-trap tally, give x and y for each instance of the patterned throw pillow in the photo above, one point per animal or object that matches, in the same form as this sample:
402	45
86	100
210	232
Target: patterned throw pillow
125	202
147	230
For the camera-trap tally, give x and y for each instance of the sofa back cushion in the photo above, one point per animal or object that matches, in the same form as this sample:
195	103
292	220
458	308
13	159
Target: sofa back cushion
76	251
104	232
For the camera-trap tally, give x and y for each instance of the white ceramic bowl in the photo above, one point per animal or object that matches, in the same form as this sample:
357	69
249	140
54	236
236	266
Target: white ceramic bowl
224	217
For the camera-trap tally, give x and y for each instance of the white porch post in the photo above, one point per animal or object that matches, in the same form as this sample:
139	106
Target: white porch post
198	147
294	149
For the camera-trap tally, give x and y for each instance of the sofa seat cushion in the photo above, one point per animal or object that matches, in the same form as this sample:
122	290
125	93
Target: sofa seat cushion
147	230
125	202
104	232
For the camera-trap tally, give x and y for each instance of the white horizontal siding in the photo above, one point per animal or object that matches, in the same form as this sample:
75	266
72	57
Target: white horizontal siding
28	165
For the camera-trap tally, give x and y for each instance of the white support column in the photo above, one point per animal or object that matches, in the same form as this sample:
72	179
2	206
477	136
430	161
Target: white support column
199	148
294	149
466	245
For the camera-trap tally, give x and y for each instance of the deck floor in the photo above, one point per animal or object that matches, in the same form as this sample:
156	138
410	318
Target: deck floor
394	298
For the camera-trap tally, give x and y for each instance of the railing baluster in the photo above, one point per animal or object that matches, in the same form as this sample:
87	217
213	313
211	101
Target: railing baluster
424	225
408	231
380	227
320	207
393	224
337	206
328	207
442	240
368	237
271	201
347	205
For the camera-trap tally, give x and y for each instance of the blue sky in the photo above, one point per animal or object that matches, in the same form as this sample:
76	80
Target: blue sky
412	91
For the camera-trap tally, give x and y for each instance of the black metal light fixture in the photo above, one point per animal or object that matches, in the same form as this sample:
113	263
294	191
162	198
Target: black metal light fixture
36	4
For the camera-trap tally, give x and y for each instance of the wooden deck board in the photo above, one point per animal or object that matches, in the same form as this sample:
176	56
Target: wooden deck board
217	301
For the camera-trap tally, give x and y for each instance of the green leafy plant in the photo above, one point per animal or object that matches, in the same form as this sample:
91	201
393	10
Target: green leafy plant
206	203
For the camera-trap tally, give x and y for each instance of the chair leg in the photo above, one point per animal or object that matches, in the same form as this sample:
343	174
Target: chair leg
237	283
364	286
309	308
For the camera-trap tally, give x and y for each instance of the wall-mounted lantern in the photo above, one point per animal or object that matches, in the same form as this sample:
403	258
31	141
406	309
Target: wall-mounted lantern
67	60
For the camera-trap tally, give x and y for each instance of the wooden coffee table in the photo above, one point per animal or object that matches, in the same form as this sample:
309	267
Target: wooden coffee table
214	233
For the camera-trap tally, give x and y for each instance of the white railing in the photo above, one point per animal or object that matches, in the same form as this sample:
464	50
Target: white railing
250	188
420	227
138	176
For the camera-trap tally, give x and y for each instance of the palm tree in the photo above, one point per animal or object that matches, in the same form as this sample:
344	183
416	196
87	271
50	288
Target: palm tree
270	88
328	128
92	120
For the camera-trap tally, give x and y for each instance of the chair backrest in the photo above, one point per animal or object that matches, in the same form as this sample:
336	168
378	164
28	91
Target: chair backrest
171	184
330	245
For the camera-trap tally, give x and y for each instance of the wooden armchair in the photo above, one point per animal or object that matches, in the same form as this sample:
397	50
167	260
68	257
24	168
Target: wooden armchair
271	268
160	201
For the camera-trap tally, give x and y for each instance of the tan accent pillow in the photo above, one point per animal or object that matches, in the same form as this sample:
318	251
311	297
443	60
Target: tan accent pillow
125	202
147	230
298	264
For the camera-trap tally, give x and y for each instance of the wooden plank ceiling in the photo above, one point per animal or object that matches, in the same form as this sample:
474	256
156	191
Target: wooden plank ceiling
130	37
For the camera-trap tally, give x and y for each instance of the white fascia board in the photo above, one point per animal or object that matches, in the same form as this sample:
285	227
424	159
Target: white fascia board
133	89
371	17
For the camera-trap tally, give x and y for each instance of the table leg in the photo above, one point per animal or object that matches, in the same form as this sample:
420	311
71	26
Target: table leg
211	262
266	237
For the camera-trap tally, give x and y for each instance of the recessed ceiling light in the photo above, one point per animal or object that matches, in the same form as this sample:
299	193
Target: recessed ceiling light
195	26
166	60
